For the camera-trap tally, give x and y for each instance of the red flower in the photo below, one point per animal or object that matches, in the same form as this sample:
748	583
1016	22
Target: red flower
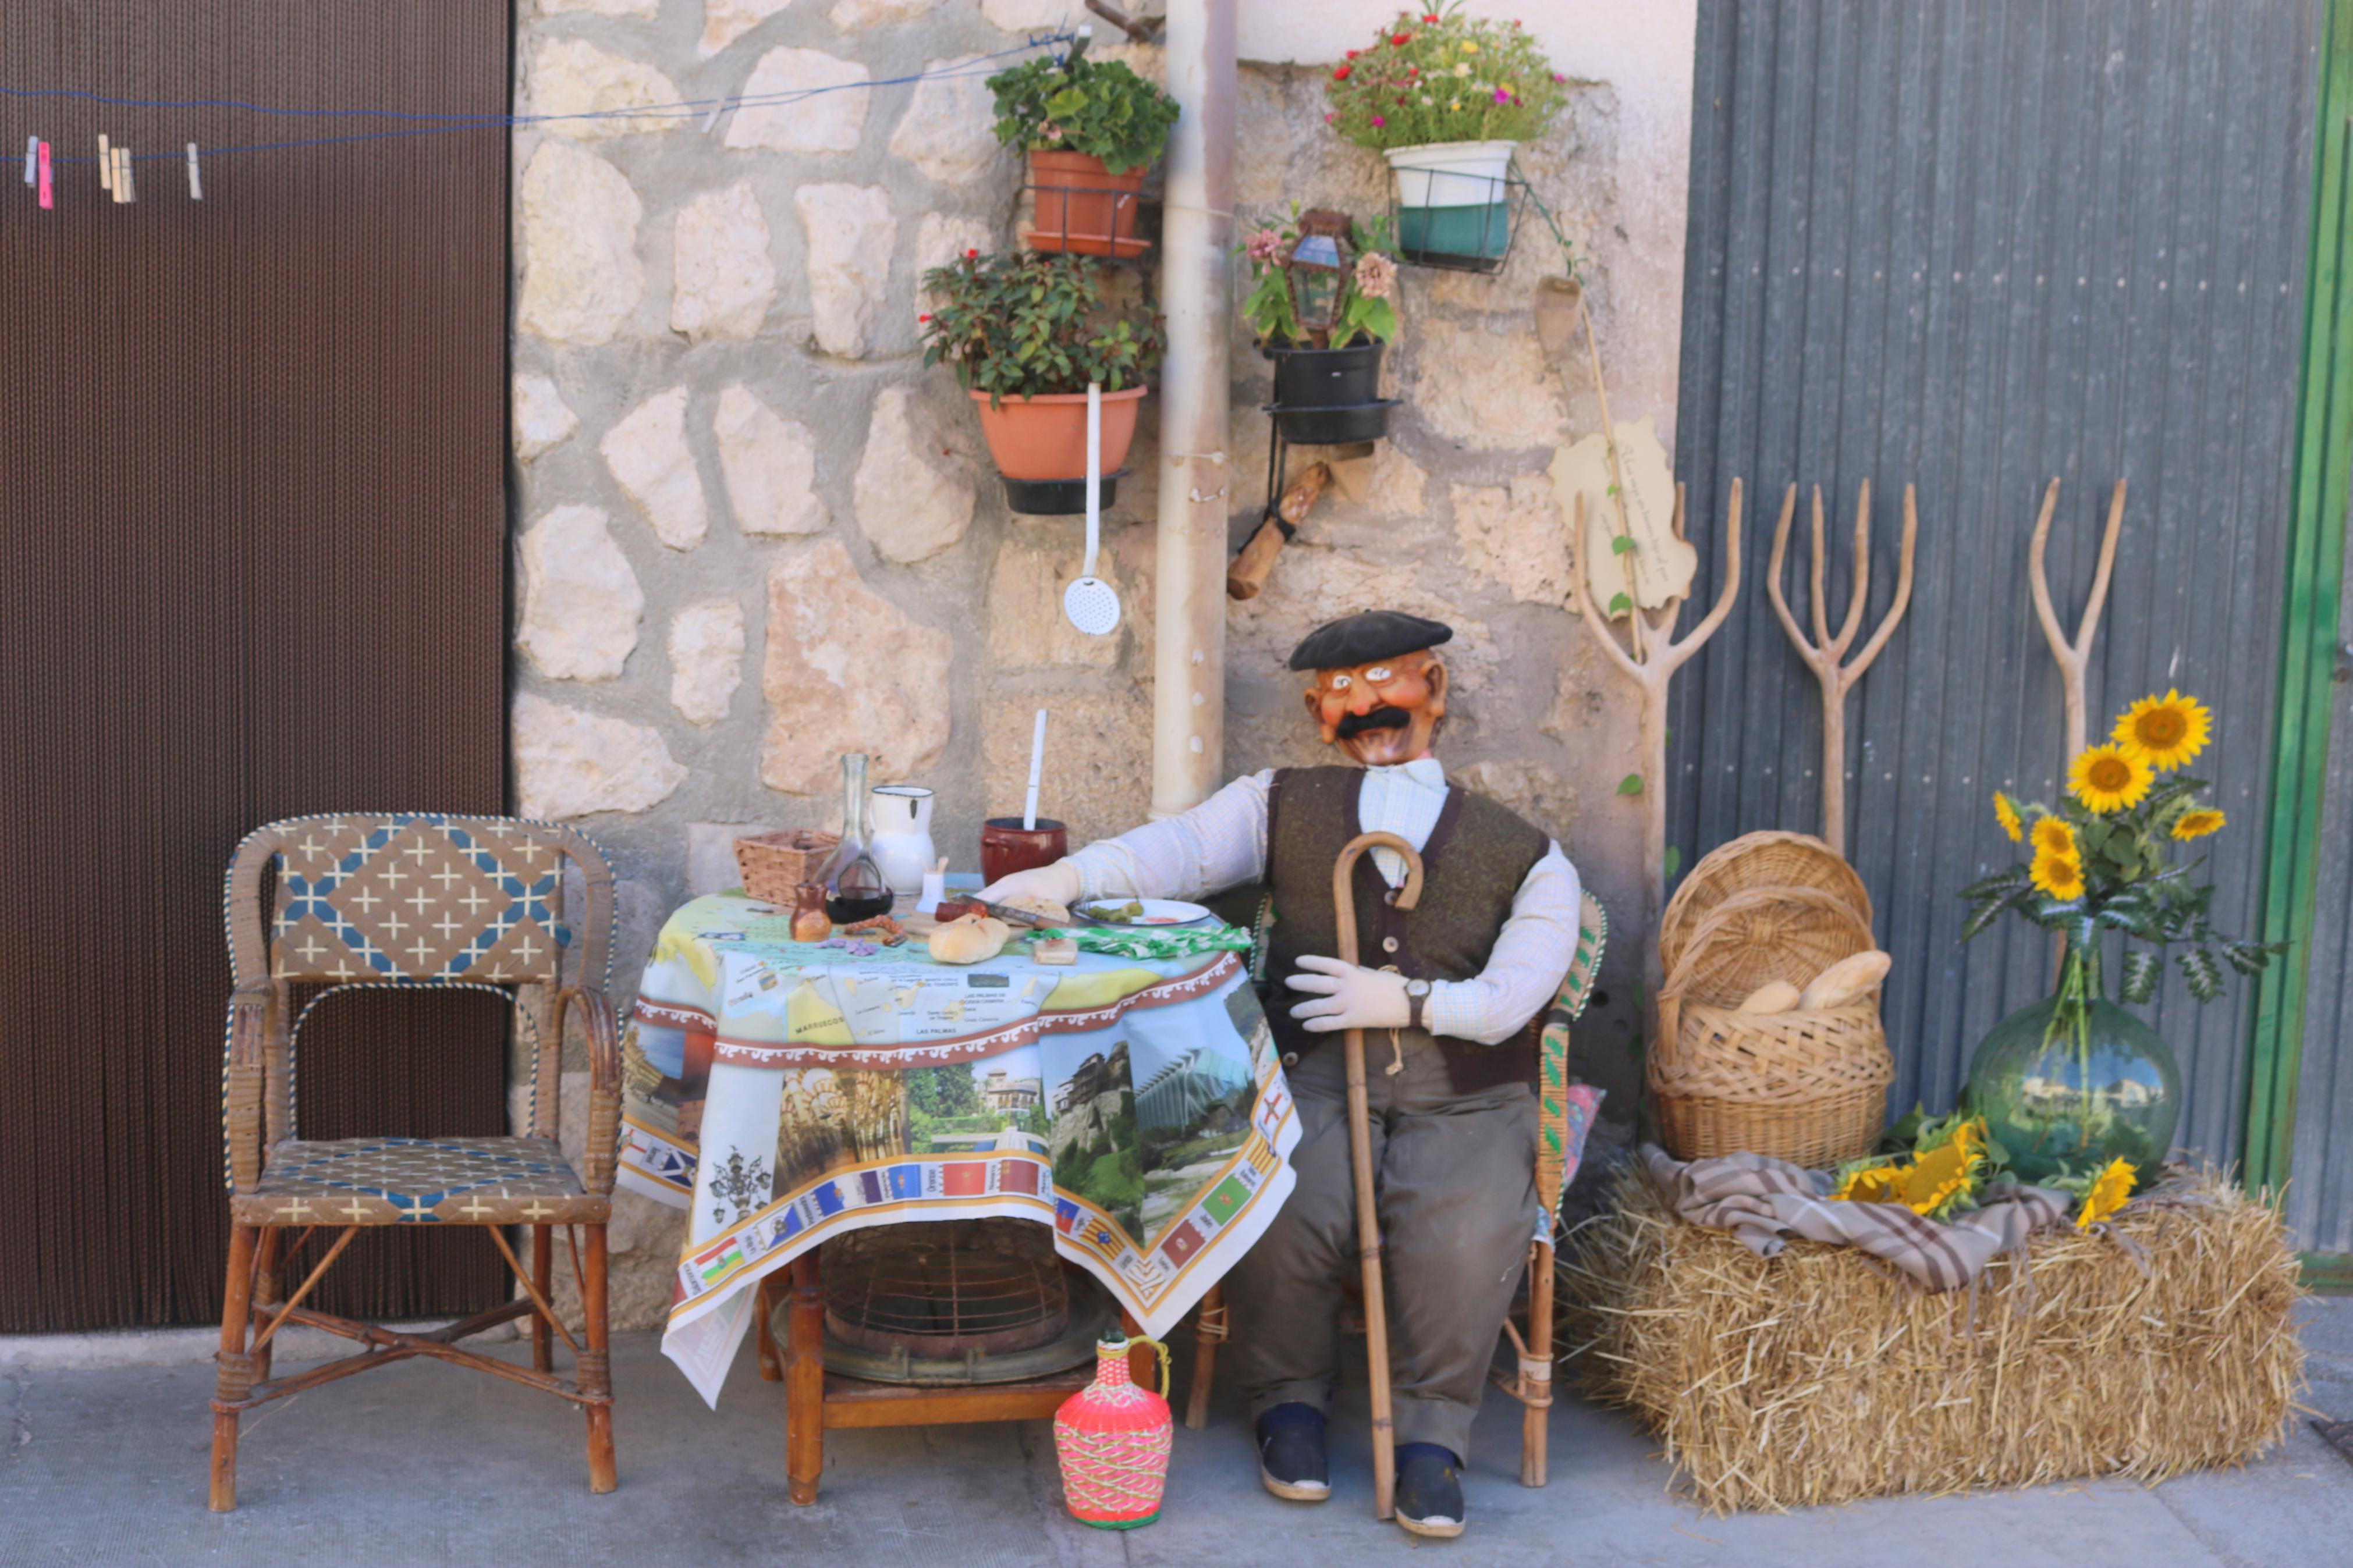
1352	54
1430	19
923	318
970	253
1342	74
1399	41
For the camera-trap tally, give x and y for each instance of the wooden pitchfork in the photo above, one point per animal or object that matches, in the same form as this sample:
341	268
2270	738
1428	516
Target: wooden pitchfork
1360	1156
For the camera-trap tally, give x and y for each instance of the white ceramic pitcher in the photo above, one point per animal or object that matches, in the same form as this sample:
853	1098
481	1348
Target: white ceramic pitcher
902	845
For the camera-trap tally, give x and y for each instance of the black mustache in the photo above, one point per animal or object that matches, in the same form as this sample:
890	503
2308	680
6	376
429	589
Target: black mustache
1378	719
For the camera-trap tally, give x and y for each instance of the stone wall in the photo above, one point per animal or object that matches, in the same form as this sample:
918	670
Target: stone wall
752	532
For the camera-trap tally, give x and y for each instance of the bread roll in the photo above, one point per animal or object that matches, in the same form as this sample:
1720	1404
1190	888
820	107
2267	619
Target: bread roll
1775	996
1848	980
970	939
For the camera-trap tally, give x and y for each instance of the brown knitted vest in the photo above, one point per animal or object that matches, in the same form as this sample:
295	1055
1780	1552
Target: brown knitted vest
1477	856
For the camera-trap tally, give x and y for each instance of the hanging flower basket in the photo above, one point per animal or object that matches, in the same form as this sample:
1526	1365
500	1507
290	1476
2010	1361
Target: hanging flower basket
1082	206
1092	129
1327	397
1040	447
1026	334
1454	204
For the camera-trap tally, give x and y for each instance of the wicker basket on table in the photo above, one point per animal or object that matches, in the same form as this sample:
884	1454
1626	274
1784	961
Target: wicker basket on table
1806	1086
774	864
1756	860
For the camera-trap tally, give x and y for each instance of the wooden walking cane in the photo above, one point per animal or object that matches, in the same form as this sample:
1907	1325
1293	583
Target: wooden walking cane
1360	1156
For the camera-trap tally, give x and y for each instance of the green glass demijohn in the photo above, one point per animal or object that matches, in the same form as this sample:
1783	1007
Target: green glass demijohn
2074	1080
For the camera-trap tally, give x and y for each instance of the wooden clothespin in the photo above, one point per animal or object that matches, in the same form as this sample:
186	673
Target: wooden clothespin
105	164
126	189
196	176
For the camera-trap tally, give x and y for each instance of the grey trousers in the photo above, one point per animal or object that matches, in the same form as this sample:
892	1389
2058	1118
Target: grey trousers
1454	1176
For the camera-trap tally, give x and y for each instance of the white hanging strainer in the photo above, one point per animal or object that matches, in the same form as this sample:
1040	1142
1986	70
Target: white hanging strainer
1089	602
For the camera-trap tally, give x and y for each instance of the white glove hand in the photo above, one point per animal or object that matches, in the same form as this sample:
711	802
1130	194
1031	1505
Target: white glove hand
1057	884
1347	996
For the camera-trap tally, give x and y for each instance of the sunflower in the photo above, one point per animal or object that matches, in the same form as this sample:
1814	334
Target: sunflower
2164	731
2061	876
1872	1185
2108	1192
2109	778
2005	811
1944	1175
2056	835
2198	824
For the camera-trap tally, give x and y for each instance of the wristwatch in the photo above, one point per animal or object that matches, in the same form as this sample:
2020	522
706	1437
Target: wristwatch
1417	992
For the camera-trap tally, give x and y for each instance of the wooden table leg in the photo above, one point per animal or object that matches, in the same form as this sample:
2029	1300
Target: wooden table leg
804	1382
1208	1333
763	1334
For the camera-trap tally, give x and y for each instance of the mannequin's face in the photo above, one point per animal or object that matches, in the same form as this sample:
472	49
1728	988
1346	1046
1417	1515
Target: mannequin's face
1381	714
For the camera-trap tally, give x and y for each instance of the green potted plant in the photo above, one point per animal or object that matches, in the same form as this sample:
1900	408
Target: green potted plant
1091	128
1027	332
1323	301
1446	97
2073	1083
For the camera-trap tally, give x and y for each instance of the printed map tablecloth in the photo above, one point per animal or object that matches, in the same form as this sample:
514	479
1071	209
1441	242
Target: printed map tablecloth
785	1094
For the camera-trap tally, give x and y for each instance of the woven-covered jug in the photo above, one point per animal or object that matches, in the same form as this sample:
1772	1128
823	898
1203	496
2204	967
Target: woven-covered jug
1114	1438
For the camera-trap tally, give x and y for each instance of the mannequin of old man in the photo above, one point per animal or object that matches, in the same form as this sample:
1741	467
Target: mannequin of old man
1457	978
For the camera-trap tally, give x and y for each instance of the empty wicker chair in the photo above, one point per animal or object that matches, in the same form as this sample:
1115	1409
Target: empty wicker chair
411	902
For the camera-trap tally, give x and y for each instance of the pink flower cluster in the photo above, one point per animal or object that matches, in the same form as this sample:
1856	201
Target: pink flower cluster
1263	246
1375	275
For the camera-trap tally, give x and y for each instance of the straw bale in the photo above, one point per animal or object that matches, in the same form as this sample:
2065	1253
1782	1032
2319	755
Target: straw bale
1822	1376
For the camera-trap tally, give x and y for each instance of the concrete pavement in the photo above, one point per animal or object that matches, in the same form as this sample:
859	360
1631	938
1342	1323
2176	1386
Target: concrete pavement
425	1464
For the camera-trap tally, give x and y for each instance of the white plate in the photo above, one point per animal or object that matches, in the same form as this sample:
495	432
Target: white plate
1158	913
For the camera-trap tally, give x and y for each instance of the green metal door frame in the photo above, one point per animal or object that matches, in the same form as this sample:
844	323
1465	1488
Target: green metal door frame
2309	647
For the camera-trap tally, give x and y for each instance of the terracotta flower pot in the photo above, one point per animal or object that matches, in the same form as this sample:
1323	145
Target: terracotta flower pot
1084	207
1045	437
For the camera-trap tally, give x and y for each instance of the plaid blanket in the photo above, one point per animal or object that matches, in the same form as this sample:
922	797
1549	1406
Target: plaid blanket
1763	1203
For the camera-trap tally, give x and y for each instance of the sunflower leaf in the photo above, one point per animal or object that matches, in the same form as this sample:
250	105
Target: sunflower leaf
2000	882
1986	911
2205	977
2142	967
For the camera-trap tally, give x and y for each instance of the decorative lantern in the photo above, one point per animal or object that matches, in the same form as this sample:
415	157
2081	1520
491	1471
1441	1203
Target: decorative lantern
1114	1438
1317	266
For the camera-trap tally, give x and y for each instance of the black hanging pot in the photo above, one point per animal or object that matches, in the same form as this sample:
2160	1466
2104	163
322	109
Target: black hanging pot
1326	397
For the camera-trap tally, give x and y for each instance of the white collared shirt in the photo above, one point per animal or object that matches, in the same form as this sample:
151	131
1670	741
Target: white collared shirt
1222	842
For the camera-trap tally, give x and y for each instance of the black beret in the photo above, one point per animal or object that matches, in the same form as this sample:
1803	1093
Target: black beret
1365	637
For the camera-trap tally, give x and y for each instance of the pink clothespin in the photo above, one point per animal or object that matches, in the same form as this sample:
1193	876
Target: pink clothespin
48	196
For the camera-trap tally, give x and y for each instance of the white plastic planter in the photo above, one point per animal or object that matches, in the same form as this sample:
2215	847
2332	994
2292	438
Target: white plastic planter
1453	201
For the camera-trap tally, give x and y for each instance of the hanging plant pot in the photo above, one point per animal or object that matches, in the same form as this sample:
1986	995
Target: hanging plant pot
1040	446
1453	203
1329	397
1082	206
1058	497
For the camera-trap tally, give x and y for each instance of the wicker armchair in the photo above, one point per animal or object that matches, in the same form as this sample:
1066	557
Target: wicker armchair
411	902
1559	1134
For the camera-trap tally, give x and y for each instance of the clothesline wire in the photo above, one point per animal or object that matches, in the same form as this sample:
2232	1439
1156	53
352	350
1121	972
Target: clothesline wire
682	110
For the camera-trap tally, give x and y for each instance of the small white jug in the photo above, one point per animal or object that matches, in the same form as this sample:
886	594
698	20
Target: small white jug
902	845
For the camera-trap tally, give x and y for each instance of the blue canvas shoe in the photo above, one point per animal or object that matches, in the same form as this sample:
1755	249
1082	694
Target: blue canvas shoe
1429	1490
1291	1456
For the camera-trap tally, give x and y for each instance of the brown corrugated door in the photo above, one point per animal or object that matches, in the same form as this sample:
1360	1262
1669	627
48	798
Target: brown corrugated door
252	492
